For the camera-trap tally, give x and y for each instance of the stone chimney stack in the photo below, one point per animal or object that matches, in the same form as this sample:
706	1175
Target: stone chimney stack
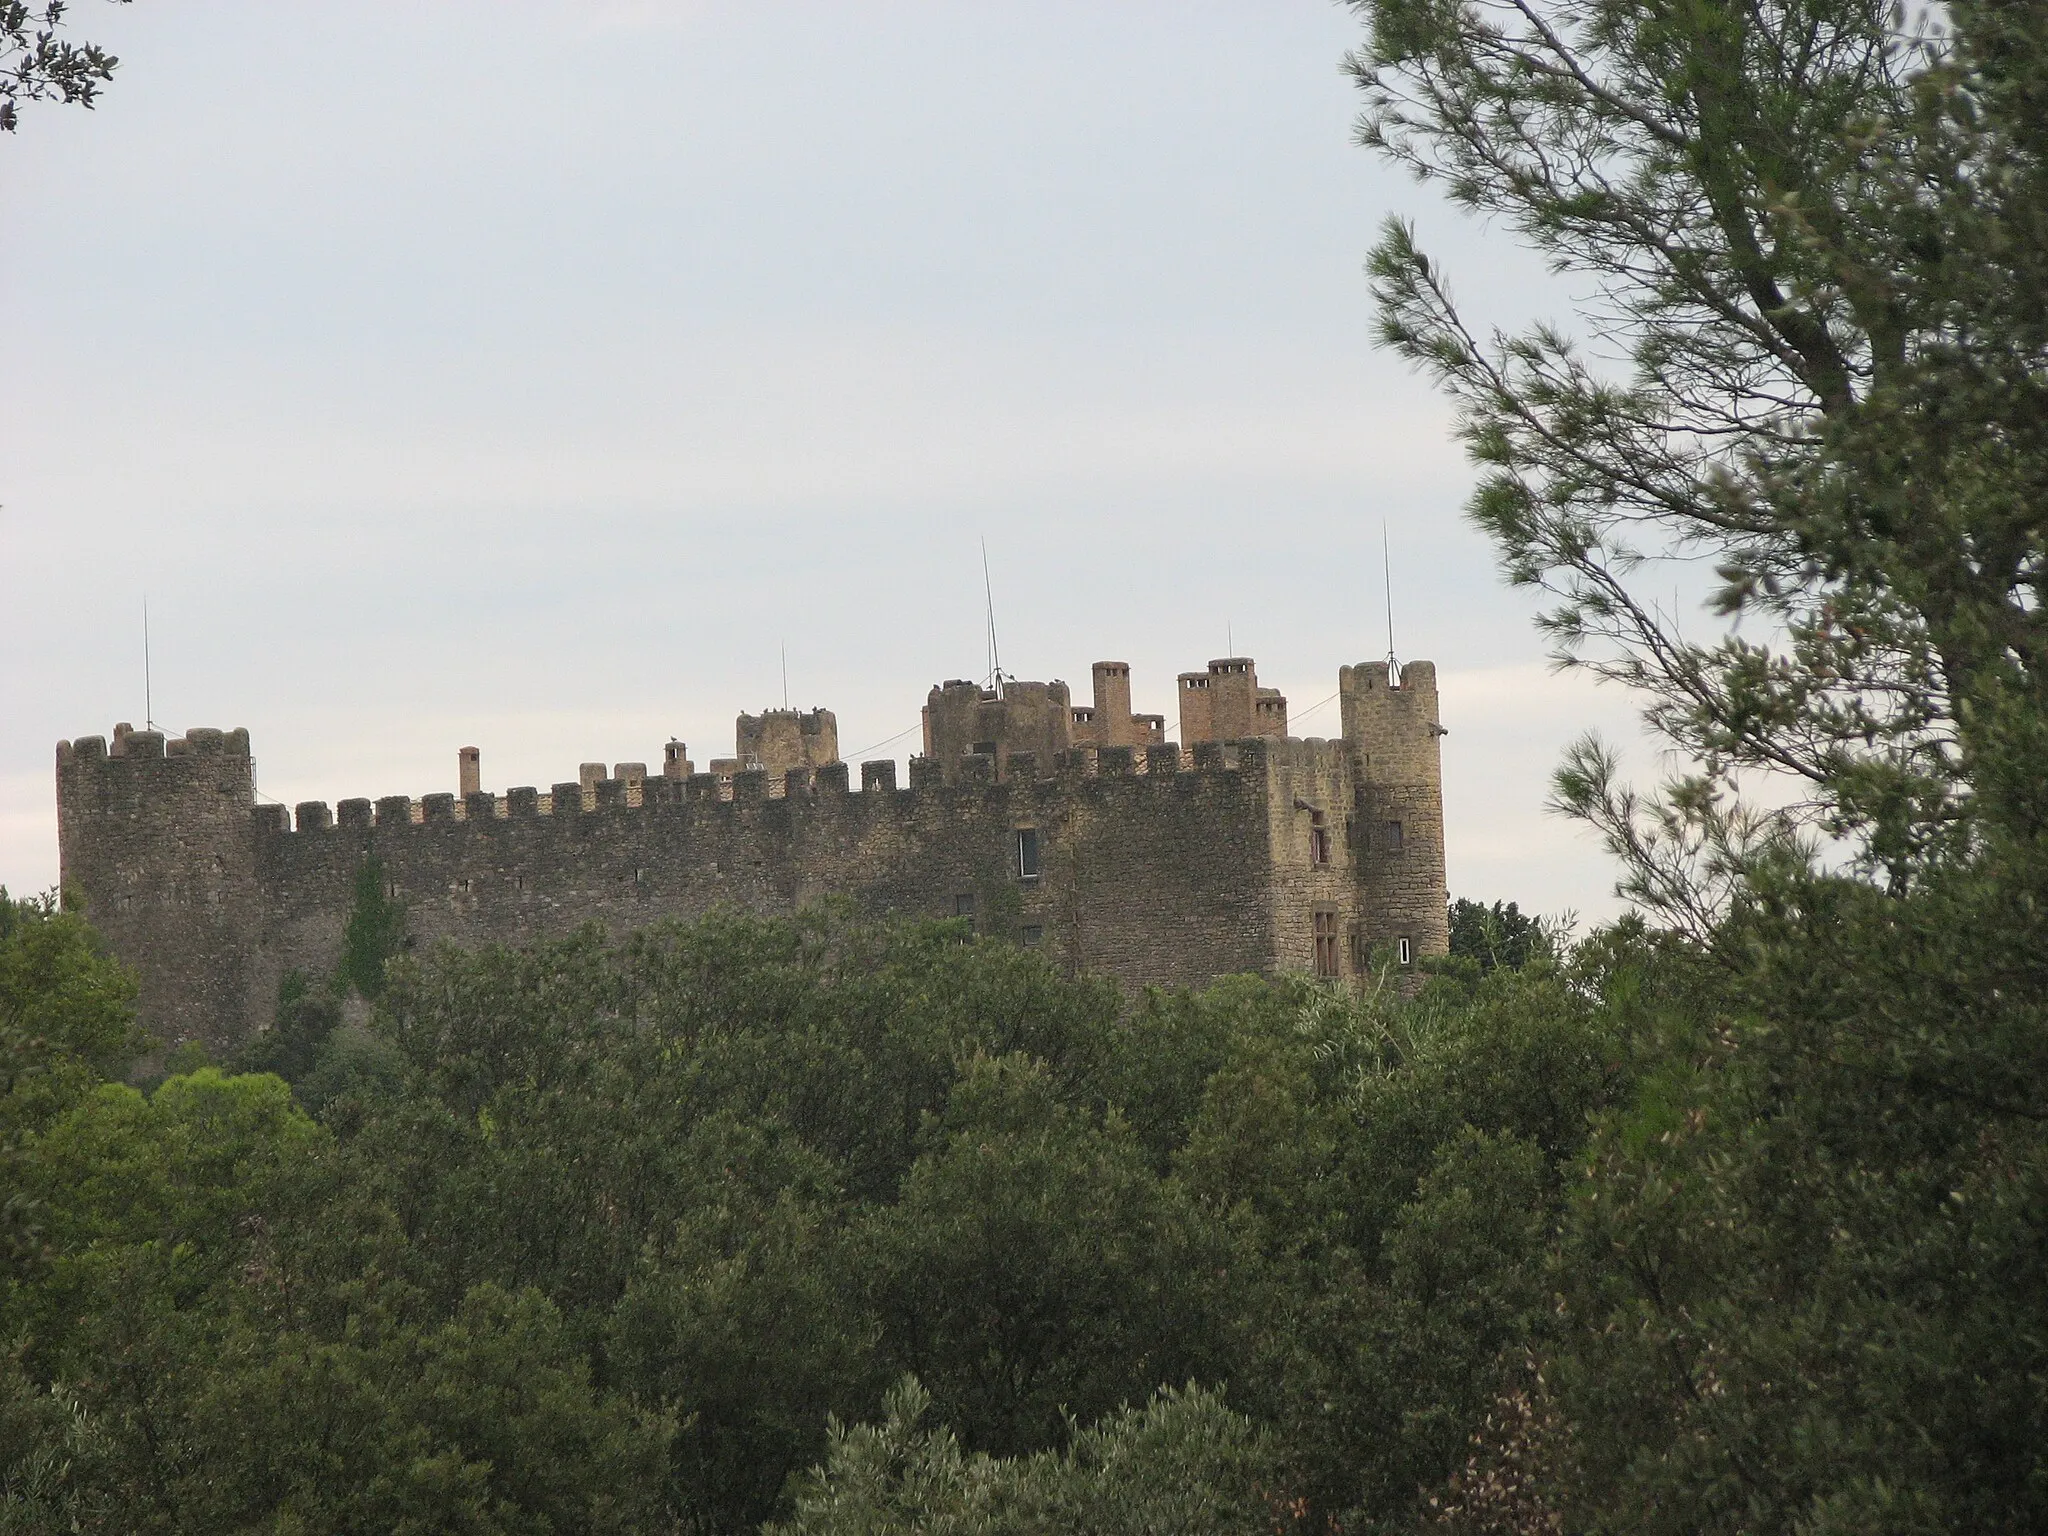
1233	698
470	770
1113	703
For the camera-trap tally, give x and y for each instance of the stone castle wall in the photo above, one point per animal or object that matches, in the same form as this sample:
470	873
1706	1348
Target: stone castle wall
1398	821
1155	864
157	837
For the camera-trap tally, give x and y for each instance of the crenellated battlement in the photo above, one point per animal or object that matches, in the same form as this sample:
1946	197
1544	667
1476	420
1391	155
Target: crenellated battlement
702	793
1082	831
131	745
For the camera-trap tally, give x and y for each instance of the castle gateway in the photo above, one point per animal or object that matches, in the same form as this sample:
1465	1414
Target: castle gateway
1077	829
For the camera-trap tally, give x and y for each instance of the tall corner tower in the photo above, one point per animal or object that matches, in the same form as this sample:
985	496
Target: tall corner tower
1392	728
158	839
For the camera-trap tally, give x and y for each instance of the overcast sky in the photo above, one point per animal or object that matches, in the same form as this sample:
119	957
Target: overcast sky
531	375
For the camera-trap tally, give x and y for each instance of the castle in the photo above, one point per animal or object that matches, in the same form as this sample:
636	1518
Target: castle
1079	829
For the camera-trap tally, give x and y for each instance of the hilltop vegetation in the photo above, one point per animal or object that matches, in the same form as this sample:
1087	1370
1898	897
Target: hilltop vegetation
858	1229
600	1236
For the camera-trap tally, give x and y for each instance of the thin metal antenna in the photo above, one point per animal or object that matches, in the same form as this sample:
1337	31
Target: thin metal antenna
1229	639
148	695
785	676
995	654
1387	575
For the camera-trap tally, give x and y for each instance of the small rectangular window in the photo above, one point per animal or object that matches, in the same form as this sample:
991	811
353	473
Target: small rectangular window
963	906
1027	853
1319	845
1404	951
463	885
1390	837
1324	927
1032	935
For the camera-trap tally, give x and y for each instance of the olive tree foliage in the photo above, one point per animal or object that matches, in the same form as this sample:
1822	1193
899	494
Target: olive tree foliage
1810	239
37	65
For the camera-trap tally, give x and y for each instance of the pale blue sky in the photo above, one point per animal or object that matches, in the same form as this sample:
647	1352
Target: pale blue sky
528	375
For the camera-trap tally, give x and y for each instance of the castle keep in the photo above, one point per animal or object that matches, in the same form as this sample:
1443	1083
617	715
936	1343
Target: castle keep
1079	829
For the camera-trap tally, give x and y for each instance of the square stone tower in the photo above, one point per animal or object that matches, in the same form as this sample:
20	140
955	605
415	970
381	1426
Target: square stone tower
963	718
1391	727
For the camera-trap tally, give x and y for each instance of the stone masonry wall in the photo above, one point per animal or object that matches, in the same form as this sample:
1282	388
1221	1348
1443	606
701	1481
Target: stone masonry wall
1311	777
780	739
1156	864
156	835
1394	732
1155	878
961	718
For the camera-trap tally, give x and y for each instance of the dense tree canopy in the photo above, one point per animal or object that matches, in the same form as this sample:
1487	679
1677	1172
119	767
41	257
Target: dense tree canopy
607	1234
1502	934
